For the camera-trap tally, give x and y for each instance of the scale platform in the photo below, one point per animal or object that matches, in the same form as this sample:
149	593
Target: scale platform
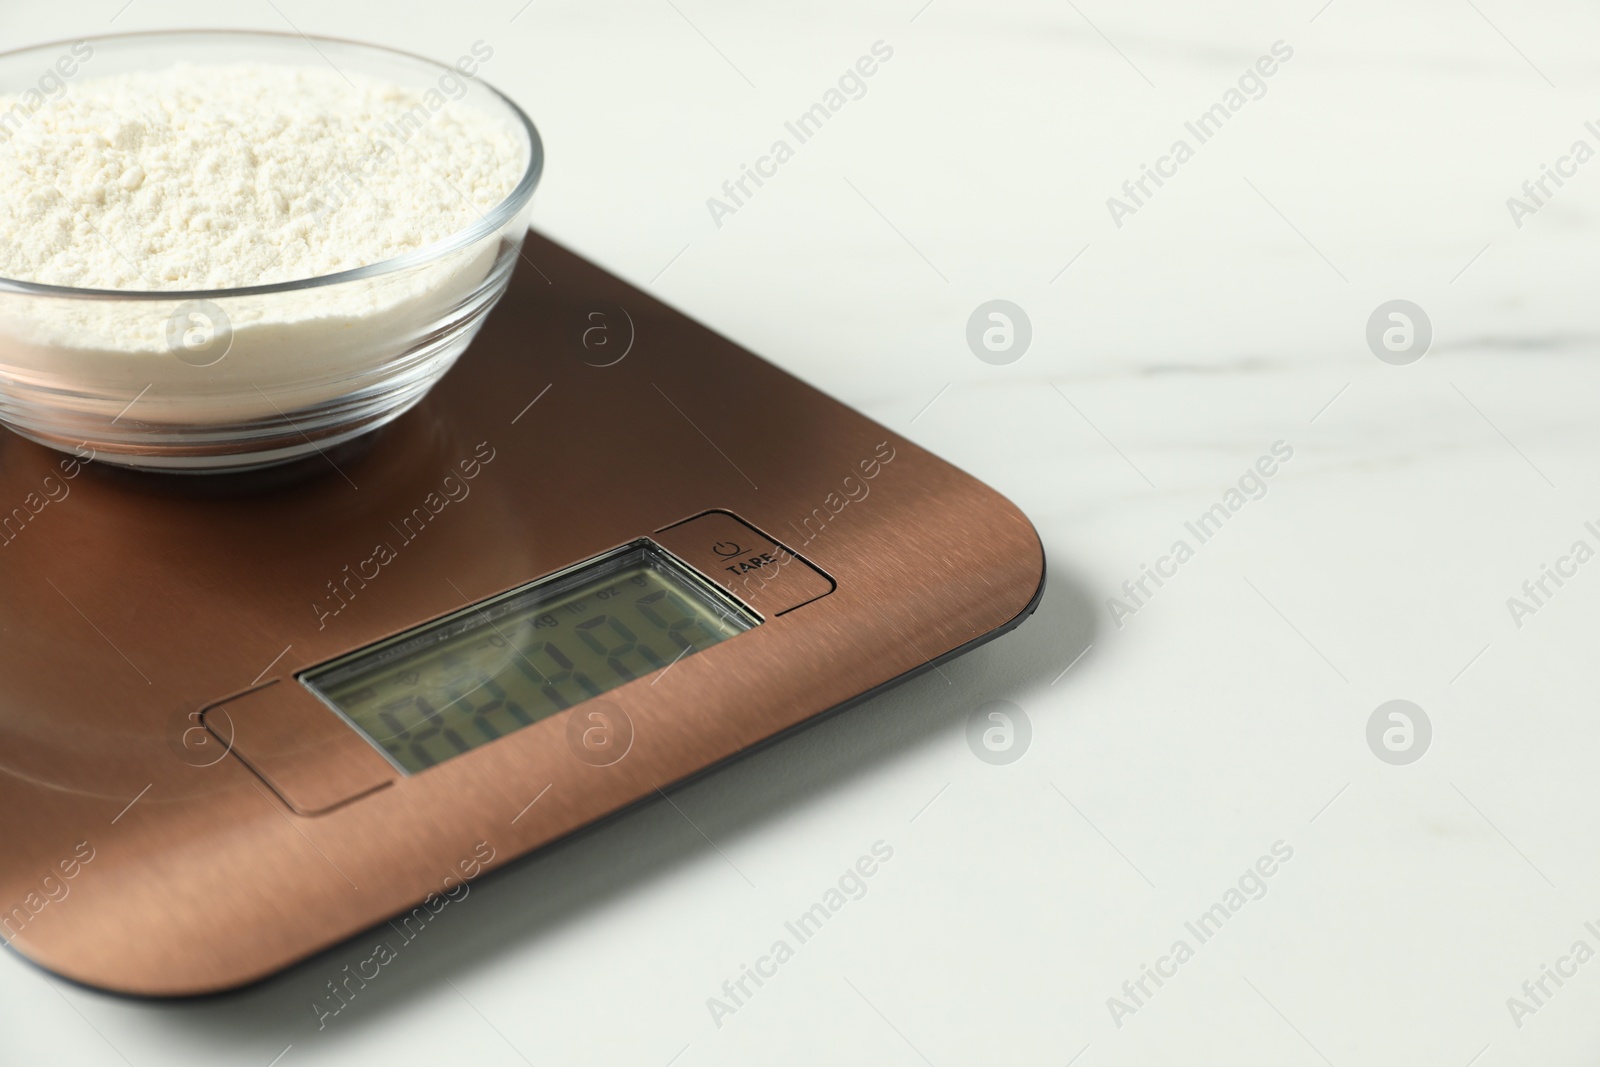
243	719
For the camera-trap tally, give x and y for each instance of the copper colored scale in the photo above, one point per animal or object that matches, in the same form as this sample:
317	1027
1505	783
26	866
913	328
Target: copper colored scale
139	607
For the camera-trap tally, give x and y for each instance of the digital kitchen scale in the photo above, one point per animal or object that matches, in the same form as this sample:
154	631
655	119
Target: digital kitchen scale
243	719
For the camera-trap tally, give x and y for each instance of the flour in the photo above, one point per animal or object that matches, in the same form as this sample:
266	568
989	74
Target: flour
199	177
214	177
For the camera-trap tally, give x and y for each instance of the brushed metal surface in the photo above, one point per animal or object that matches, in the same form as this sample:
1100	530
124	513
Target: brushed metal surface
134	602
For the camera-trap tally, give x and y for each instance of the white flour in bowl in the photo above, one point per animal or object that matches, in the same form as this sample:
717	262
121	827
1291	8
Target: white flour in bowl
215	177
200	177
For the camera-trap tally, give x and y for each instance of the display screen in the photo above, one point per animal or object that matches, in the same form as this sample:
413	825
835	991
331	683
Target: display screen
465	680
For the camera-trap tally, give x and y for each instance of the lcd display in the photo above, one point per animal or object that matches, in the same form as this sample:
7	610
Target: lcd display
449	686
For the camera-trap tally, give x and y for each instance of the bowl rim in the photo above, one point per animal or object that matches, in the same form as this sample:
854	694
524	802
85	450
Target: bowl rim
490	222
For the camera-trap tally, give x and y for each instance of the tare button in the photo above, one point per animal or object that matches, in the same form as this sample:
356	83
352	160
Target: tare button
745	562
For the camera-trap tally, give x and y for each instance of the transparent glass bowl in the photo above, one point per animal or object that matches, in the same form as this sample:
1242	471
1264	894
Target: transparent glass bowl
232	379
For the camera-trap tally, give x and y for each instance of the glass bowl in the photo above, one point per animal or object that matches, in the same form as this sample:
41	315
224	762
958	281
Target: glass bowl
232	379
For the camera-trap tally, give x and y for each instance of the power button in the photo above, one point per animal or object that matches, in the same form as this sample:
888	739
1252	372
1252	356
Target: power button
745	562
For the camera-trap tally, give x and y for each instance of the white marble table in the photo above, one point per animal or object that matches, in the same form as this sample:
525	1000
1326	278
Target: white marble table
1175	747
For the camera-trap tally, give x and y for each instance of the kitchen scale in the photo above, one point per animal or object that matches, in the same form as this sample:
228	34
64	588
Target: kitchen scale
245	718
